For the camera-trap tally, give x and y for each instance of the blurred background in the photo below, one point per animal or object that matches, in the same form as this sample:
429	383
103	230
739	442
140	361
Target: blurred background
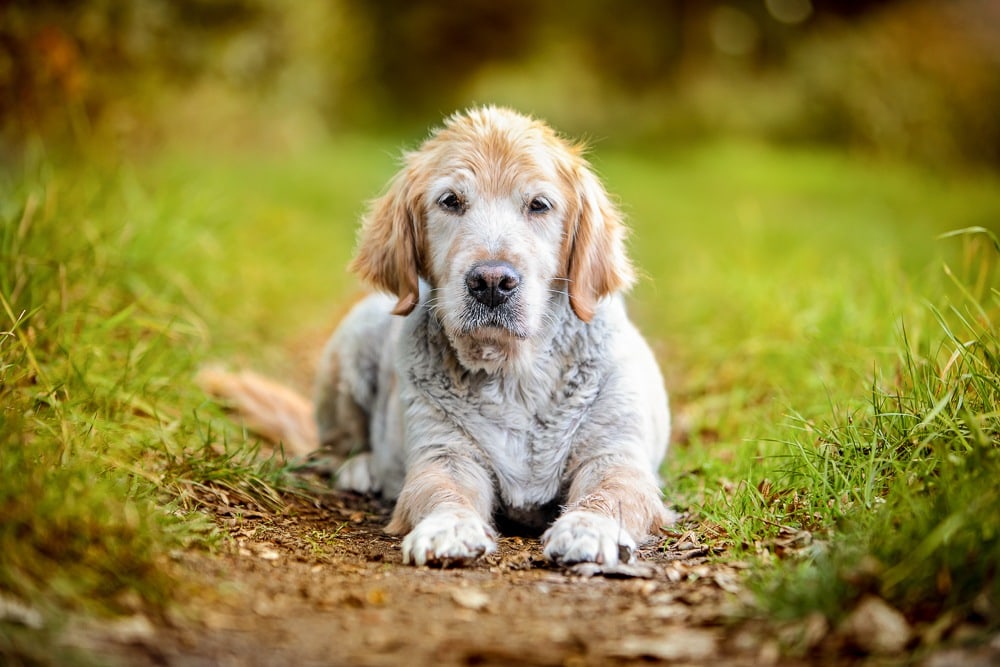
181	180
911	79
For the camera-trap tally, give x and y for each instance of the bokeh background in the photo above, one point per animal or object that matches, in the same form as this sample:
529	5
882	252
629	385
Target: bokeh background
914	79
814	196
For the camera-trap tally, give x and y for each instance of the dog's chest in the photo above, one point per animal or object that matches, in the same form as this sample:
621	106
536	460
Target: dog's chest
523	422
527	429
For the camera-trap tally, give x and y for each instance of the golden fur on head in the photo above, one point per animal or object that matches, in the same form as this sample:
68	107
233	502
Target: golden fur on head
499	146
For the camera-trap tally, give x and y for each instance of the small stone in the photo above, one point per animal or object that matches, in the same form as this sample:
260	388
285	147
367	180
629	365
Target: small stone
13	610
814	629
677	644
875	627
616	571
470	598
134	629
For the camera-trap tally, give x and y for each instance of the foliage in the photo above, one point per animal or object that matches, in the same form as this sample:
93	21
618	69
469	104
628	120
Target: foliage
909	78
96	355
918	469
68	68
917	81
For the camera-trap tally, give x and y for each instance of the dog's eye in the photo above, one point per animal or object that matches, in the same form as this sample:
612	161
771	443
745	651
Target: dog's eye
452	203
539	205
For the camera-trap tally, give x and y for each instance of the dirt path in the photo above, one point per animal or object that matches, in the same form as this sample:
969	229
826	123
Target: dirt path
323	585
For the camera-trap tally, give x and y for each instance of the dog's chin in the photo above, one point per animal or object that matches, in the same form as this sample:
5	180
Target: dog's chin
491	341
495	332
490	354
502	325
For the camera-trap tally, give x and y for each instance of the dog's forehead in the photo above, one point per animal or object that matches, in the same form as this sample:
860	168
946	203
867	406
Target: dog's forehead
500	153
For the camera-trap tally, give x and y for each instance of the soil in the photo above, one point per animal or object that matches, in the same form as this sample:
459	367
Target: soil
322	584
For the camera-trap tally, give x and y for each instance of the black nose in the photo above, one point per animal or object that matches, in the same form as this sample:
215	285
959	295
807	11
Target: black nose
492	283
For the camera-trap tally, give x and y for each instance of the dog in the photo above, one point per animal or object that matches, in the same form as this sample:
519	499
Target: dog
495	373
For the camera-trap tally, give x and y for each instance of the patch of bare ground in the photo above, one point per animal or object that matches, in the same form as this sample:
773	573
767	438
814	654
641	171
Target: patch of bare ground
321	584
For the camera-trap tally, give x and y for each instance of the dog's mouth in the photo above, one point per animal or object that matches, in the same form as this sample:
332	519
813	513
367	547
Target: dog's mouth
498	324
489	337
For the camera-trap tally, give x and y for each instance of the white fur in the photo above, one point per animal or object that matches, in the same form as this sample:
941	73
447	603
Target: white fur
587	537
552	398
356	474
548	404
449	535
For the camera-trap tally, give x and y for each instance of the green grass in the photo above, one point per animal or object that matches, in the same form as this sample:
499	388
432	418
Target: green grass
778	282
916	469
832	352
105	446
796	299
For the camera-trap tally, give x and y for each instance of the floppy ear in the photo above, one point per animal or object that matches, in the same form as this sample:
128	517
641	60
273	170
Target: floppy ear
597	264
388	244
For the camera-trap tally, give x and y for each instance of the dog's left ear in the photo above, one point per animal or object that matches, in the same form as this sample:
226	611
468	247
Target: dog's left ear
597	264
388	253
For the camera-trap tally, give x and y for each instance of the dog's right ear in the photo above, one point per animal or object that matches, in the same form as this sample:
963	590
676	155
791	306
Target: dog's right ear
388	254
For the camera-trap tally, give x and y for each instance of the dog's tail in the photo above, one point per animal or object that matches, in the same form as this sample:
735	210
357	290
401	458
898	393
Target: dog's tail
271	410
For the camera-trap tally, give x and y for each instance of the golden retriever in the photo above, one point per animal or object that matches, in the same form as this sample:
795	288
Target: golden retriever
497	373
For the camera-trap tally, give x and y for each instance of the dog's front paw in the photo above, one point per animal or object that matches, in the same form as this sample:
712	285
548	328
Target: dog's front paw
587	537
355	474
447	537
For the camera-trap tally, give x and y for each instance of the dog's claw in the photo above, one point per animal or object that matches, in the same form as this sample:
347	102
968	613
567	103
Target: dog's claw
587	537
448	538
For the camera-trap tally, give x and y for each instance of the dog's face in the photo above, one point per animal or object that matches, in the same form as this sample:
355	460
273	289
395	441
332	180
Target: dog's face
501	217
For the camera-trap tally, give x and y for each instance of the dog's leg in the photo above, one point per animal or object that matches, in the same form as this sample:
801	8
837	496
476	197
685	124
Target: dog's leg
444	509
342	422
350	382
343	390
611	507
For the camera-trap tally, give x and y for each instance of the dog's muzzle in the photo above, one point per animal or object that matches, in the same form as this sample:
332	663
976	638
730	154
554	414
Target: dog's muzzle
492	283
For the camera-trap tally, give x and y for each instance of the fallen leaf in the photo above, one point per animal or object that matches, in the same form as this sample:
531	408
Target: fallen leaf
377	596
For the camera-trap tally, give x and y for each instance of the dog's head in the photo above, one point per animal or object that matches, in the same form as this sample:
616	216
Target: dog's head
500	216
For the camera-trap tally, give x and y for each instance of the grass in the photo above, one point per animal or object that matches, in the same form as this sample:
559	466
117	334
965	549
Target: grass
833	353
777	283
104	443
925	533
818	355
